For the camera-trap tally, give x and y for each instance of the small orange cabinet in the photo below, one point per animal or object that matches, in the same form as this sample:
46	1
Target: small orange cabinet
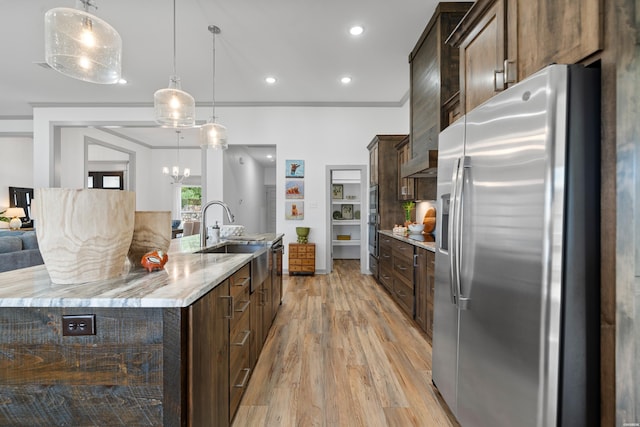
302	258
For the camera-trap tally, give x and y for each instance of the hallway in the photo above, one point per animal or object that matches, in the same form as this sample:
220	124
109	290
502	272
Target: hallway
341	353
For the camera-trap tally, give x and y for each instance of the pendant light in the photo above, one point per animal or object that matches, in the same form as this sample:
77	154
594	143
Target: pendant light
81	45
175	174
214	134
173	106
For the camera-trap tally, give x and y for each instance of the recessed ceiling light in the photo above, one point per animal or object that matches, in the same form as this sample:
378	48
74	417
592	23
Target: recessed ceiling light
270	80
356	30
122	81
269	156
345	80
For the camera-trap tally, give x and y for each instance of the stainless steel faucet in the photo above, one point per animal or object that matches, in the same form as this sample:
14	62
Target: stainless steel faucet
203	216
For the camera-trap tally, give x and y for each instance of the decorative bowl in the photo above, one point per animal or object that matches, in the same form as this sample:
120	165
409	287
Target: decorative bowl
416	228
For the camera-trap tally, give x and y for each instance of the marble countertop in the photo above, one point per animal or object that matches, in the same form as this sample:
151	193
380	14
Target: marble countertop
415	240
186	277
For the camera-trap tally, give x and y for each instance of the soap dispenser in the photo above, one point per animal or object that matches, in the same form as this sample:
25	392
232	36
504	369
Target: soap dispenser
215	232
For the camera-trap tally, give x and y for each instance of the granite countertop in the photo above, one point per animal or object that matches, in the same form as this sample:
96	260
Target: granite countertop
415	240
186	277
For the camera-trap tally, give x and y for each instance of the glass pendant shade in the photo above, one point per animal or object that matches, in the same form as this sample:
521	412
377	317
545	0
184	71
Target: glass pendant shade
174	107
82	46
214	135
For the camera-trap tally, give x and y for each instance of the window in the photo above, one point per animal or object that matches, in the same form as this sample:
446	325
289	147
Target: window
190	203
106	180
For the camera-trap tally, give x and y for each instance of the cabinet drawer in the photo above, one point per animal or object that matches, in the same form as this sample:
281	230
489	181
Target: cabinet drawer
241	303
240	288
403	268
404	295
239	378
386	277
402	249
385	240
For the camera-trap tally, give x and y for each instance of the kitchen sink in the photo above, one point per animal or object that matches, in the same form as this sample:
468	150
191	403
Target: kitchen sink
233	248
259	262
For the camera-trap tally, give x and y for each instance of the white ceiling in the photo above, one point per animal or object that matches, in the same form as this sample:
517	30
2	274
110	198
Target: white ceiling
304	43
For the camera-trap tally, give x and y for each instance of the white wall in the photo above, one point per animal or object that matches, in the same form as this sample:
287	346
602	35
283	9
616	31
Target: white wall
317	135
244	189
16	166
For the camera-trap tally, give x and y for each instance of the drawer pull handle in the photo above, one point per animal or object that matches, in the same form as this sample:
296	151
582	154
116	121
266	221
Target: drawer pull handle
402	268
243	283
244	339
244	307
244	380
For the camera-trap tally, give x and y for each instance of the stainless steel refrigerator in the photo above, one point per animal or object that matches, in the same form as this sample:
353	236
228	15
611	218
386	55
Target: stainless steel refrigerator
516	320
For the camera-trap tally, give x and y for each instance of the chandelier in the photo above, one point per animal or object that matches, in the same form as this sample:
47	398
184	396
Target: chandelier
213	134
175	174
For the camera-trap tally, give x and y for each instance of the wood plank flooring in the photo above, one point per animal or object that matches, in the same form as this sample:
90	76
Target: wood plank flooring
341	353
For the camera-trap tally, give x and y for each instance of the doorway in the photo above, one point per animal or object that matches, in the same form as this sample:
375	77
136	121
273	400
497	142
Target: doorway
346	202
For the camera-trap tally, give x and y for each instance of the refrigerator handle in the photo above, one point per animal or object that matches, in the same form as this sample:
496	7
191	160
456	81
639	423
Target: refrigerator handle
465	163
453	253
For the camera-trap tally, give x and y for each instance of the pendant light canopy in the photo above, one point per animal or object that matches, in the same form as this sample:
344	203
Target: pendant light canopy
175	170
214	134
173	106
81	45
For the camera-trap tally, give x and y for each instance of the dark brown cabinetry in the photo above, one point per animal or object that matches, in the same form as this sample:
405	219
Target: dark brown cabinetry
396	271
209	340
383	172
504	41
405	185
424	284
434	76
385	263
239	337
403	281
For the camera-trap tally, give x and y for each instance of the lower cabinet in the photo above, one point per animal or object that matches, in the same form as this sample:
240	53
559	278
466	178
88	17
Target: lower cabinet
239	337
403	280
209	361
407	273
425	261
385	263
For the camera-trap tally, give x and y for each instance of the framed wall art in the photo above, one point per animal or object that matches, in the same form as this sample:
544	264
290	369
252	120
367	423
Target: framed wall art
294	188
338	191
294	210
294	168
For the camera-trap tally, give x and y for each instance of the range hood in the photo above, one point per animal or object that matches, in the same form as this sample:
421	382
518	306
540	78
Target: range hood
424	165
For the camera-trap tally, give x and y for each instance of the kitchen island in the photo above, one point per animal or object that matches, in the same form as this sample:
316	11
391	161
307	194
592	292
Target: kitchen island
159	355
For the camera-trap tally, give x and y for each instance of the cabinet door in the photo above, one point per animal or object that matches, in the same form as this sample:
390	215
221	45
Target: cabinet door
421	289
373	165
209	342
482	54
405	185
559	31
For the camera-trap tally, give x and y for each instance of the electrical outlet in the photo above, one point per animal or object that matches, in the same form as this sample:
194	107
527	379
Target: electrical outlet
79	324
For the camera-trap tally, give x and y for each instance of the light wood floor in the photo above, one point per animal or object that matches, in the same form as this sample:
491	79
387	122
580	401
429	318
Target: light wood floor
341	353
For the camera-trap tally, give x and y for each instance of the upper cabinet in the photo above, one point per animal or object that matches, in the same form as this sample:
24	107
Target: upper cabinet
503	41
433	76
433	81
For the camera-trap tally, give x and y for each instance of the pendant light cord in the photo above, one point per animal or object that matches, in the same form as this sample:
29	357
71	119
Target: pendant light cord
178	134
174	40
214	30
